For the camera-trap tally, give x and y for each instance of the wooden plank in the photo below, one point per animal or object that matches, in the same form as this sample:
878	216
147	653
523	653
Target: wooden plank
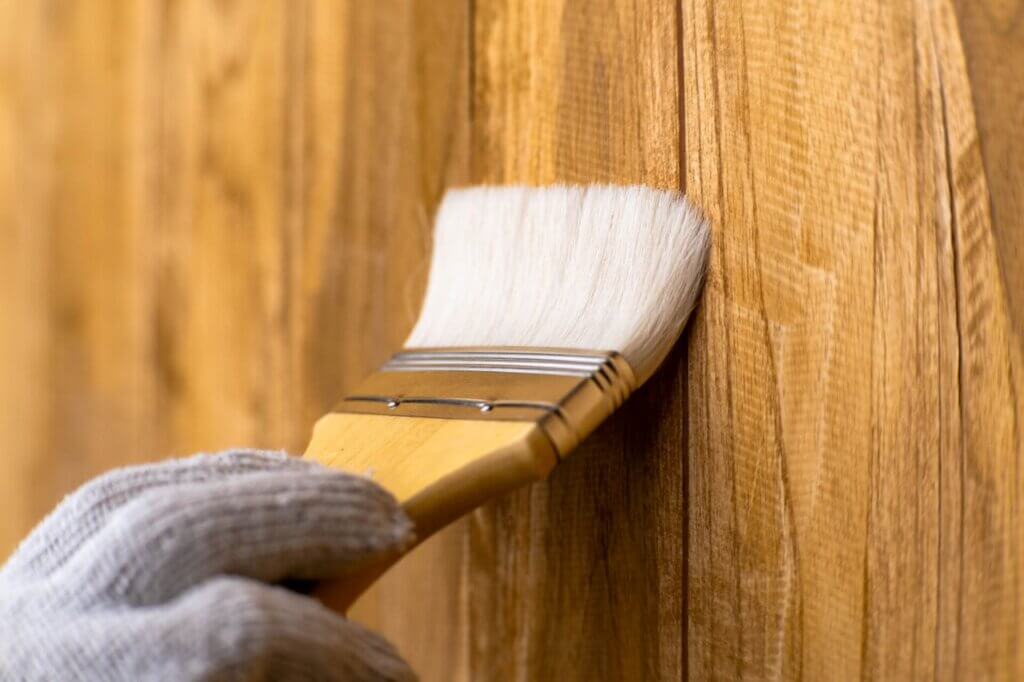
219	220
387	109
993	46
219	203
303	149
581	577
26	137
993	43
72	349
854	384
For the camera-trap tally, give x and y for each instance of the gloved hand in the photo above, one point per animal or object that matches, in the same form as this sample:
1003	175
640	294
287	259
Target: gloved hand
166	572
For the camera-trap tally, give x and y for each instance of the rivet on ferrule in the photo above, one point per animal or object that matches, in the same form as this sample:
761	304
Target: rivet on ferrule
568	393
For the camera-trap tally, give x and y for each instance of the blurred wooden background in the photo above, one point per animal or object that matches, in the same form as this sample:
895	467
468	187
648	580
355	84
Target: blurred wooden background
214	218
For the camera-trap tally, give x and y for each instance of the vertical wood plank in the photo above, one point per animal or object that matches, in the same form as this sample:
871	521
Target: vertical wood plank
386	132
73	357
993	43
216	218
991	617
581	577
303	148
854	487
220	201
26	134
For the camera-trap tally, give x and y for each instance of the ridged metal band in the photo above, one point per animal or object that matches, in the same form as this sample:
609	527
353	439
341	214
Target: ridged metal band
566	392
515	361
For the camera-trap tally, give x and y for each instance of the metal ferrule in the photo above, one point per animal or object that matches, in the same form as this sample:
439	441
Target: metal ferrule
568	393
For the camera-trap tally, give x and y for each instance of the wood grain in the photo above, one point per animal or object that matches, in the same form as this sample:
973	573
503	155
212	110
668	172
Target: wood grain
387	131
993	43
72	355
593	558
214	218
855	440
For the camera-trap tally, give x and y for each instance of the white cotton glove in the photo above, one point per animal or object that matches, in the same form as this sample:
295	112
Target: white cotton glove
167	572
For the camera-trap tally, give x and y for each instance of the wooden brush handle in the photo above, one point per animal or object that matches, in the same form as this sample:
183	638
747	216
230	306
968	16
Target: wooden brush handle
446	429
439	469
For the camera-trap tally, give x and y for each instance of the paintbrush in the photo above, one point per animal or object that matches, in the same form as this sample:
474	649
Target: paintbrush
545	308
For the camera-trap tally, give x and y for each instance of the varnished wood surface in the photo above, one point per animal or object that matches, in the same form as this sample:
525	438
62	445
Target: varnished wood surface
855	379
583	92
214	218
993	45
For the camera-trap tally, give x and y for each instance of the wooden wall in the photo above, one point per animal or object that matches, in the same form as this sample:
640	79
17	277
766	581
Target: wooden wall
214	218
855	375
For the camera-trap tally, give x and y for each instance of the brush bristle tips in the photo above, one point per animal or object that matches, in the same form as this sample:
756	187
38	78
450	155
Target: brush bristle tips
594	268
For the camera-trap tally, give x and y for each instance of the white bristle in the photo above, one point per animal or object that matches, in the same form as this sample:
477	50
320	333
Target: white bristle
591	268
